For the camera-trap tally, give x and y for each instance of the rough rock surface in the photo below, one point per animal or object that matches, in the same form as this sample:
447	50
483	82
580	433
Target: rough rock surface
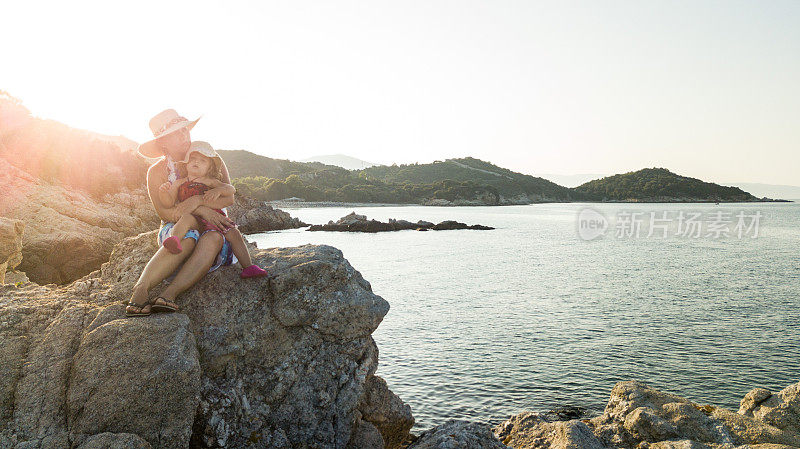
285	362
638	416
532	430
10	245
353	222
253	216
68	234
456	434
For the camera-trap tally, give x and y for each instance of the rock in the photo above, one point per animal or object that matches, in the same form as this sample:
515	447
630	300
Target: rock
639	416
170	383
16	277
387	412
282	362
753	399
532	430
252	216
451	224
108	440
10	245
781	409
68	234
456	434
359	223
11	241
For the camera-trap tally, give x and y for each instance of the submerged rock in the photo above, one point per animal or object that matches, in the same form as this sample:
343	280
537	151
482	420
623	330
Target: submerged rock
353	222
286	361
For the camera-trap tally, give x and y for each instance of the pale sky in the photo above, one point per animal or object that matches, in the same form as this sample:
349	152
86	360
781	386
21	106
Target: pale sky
709	89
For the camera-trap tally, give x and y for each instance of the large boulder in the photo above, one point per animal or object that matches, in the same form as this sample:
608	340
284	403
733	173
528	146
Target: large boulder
252	216
286	361
68	233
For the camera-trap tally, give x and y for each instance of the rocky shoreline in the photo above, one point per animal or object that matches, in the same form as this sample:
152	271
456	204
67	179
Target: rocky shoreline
353	222
284	362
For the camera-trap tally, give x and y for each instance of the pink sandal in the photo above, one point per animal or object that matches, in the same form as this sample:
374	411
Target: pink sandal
253	271
173	245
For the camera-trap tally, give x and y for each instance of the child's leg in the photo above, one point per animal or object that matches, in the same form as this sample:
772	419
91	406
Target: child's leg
239	247
184	224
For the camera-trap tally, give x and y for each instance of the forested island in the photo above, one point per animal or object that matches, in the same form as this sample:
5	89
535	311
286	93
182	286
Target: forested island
461	181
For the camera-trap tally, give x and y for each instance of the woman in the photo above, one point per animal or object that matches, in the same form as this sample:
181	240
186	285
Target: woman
171	142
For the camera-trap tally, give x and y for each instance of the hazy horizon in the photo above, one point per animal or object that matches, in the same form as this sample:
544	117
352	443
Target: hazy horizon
705	89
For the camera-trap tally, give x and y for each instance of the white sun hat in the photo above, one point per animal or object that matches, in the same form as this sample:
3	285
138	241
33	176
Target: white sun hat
204	148
165	122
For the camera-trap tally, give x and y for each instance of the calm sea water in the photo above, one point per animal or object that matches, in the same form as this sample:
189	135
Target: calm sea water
486	324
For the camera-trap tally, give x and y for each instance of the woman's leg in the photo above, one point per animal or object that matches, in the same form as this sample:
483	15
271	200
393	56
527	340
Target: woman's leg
161	265
196	266
239	247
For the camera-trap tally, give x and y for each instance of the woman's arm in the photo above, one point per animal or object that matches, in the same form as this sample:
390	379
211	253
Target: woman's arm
155	178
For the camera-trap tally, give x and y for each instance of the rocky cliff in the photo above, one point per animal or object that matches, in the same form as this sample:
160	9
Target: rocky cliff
285	362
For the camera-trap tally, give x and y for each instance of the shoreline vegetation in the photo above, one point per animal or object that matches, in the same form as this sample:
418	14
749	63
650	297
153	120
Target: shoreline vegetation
455	182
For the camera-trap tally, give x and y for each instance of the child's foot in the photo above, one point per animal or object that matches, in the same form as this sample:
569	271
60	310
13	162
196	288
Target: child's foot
253	271
173	245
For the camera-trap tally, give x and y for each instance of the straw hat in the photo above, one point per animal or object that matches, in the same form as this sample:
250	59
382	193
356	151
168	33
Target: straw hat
205	149
165	122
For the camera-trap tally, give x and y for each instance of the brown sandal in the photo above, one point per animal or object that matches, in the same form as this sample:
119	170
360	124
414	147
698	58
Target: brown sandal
140	307
162	307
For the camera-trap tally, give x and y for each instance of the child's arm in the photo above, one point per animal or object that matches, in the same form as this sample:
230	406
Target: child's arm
218	189
167	193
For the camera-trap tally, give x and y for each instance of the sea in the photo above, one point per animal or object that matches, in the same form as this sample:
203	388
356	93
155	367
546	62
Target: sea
562	301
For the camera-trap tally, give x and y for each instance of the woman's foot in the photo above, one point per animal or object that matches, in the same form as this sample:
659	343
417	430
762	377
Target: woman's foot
139	304
161	304
173	245
253	271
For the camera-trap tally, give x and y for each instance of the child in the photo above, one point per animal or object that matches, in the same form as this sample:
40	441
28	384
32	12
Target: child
202	168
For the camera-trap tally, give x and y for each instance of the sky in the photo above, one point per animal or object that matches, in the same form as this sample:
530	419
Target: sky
708	89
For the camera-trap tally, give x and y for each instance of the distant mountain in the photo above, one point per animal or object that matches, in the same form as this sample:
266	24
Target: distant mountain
243	163
770	190
465	181
340	160
659	185
511	187
571	180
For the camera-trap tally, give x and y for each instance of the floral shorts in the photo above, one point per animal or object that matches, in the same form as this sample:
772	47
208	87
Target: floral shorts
225	256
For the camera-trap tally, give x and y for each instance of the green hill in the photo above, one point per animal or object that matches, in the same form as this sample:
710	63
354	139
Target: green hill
659	185
456	181
511	186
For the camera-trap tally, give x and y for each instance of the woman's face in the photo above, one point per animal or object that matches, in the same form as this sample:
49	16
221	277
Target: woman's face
198	165
176	143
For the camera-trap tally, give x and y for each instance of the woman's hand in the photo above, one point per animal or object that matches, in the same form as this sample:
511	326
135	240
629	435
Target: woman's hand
215	218
164	188
188	206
